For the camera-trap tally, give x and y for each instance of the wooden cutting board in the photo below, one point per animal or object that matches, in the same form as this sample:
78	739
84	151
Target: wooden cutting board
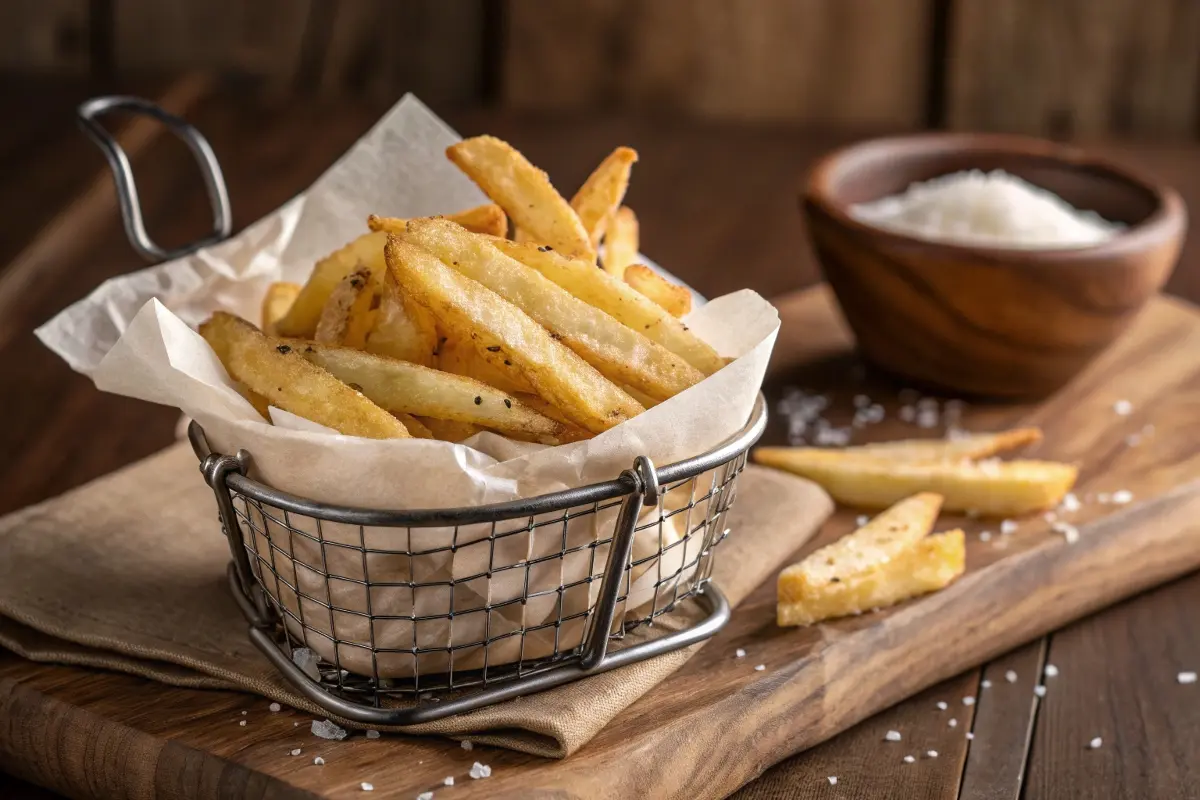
718	722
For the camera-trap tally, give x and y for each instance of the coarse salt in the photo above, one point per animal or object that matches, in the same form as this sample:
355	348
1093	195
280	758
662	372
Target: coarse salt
1050	671
1186	677
992	208
326	729
985	536
306	660
907	414
1122	497
296	752
1070	503
1008	527
892	736
1122	408
275	707
953	723
1067	530
760	667
968	700
927	418
370	787
985	684
372	734
909	759
861	519
970	736
448	780
1010	676
739	653
467	745
425	796
1095	743
931	753
480	771
242	722
244	713
1039	690
942	706
832	780
320	762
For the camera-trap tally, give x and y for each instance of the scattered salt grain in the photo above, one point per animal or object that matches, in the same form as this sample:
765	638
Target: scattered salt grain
760	667
907	414
448	780
1070	503
326	729
942	705
832	780
832	437
953	723
1039	690
985	536
425	796
861	519
372	734
306	660
892	736
1010	676
320	762
970	736
295	724
909	759
1050	671
467	745
1122	497
275	707
242	722
985	684
739	653
1095	743
968	700
1186	677
1122	408
1008	527
931	753
244	713
370	787
480	771
296	752
1067	530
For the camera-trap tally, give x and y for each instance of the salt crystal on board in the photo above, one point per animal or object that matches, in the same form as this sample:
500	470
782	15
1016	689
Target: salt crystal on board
931	753
739	653
942	706
1039	690
480	771
1010	676
1122	497
1050	671
296	752
448	780
1186	677
985	684
1008	527
326	729
892	736
425	796
320	762
832	780
861	519
953	723
275	707
1122	408
909	759
1067	530
760	667
1095	743
968	700
306	660
367	787
242	723
1070	503
467	745
372	734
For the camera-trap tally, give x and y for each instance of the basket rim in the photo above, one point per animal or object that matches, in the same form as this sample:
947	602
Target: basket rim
561	500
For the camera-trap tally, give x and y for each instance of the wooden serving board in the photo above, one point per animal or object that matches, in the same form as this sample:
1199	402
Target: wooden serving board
718	722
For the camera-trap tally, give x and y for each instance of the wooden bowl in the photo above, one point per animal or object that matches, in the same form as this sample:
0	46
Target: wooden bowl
999	322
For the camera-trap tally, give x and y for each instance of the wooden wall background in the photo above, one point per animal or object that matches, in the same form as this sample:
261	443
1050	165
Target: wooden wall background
1088	68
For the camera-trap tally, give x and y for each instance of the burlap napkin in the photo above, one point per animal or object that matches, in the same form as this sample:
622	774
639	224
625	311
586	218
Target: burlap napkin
128	573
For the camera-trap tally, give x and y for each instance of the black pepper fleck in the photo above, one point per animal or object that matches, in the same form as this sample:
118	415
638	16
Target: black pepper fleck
507	363
835	579
283	348
355	387
478	400
494	348
507	403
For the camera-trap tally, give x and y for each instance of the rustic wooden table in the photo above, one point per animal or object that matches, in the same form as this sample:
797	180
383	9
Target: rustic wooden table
717	205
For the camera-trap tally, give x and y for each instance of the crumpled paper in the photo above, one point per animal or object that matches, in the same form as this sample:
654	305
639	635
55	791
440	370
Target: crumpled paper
135	336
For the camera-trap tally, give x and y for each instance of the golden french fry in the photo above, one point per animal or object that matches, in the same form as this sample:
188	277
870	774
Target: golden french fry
403	329
674	299
993	488
524	192
448	430
621	354
347	317
970	448
617	299
276	302
459	357
620	241
274	369
601	194
418	429
401	387
571	432
488	218
365	252
501	333
925	566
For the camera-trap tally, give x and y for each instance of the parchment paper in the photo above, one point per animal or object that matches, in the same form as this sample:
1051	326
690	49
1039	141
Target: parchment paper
135	336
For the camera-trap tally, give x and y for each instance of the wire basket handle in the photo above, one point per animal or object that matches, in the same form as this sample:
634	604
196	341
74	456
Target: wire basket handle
127	195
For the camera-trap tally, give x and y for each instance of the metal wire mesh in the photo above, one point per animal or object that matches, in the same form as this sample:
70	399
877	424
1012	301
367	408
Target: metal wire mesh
405	610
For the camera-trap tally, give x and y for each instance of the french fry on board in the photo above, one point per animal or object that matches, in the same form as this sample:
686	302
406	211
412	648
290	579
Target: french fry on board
601	194
617	299
524	192
992	488
488	218
501	333
621	241
676	300
273	369
971	447
620	353
276	302
365	252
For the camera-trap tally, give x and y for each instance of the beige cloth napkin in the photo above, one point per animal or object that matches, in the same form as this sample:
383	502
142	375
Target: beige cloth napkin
128	573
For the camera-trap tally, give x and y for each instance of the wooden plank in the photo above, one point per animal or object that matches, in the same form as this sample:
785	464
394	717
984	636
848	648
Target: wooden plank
1118	680
861	62
1004	724
869	767
47	36
1085	68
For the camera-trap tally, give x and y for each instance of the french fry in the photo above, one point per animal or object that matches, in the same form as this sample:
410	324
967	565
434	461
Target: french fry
403	329
275	370
418	429
404	388
276	302
347	318
459	357
928	565
617	299
970	448
601	194
364	252
524	192
488	218
503	333
676	300
571	432
449	430
620	241
992	488
620	353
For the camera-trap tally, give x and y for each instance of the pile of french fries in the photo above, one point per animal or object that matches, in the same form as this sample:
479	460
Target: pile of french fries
442	327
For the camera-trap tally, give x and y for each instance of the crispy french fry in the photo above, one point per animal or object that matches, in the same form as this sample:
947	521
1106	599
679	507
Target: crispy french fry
347	317
364	252
403	329
601	194
620	241
274	369
404	388
488	218
448	430
571	431
459	357
502	332
674	299
928	565
617	299
970	448
992	488
418	429
620	353
524	192
276	302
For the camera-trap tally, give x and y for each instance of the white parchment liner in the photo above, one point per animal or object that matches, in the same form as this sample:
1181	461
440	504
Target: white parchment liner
135	336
